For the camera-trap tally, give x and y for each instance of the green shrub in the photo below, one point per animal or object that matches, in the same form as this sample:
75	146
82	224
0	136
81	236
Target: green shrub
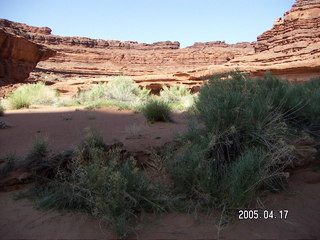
174	93
297	102
119	91
3	124
101	181
29	94
302	106
1	110
245	176
8	165
156	110
178	97
241	134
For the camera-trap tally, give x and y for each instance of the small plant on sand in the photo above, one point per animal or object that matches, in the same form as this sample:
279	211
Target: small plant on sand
8	165
156	110
3	124
174	93
179	97
1	110
29	94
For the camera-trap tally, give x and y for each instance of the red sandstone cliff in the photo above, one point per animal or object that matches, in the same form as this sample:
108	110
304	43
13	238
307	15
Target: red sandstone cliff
290	49
19	56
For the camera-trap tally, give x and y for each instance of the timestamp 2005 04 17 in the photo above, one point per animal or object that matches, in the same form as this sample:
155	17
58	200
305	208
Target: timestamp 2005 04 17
247	214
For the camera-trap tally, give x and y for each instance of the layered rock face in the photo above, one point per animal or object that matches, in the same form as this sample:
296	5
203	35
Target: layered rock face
125	57
291	49
148	64
299	29
19	56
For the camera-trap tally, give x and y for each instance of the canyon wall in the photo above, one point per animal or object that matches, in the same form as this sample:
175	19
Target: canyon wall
19	56
290	50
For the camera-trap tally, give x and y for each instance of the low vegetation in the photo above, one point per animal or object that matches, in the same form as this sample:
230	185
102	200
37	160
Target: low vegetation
8	165
30	94
156	110
3	124
237	147
119	91
95	179
1	110
245	139
178	97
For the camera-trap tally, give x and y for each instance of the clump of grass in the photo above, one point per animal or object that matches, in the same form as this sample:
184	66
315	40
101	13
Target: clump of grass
29	94
174	93
119	91
3	124
8	165
1	110
302	103
156	110
178	97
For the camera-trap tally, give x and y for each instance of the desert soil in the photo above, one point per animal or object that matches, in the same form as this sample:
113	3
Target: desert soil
64	128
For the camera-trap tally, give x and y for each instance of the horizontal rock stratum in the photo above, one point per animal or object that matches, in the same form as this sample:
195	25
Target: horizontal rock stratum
291	49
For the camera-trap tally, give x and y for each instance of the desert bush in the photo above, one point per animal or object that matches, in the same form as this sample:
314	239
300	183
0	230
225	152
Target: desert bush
241	134
156	110
178	97
1	110
174	93
119	91
93	179
297	102
8	165
302	105
3	124
245	176
29	94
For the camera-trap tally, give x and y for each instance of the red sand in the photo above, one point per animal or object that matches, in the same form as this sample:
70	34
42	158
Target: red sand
65	127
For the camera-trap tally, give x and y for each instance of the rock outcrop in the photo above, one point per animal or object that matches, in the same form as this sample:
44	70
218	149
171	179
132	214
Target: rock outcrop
290	50
19	56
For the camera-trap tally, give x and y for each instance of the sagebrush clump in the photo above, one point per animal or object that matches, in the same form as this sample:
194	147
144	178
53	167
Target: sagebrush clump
101	181
29	94
243	139
1	110
156	110
122	92
3	124
178	97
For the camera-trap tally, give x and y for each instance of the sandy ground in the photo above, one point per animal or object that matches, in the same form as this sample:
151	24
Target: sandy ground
64	128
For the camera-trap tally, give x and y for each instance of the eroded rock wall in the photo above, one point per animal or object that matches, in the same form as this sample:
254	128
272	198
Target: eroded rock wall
291	49
19	56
